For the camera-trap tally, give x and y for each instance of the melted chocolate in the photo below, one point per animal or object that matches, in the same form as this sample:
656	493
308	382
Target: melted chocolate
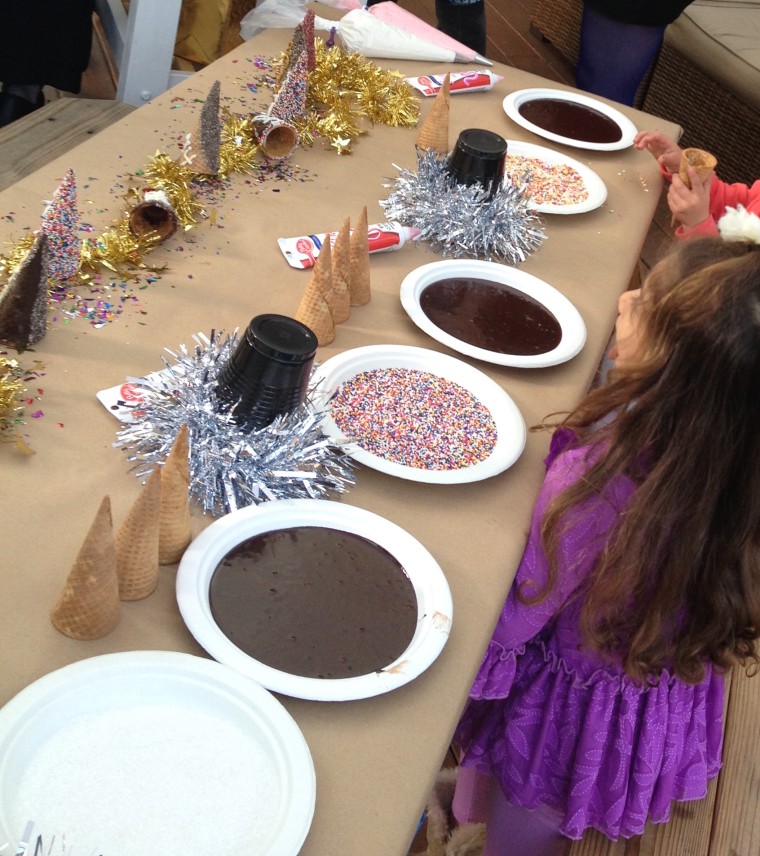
491	316
314	602
571	120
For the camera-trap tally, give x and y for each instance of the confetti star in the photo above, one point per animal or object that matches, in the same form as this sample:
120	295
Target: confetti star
343	145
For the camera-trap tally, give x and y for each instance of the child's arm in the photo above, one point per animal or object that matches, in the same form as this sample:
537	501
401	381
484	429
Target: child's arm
662	148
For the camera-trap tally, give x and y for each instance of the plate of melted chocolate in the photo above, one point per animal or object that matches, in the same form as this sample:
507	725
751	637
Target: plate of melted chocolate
315	599
494	313
570	118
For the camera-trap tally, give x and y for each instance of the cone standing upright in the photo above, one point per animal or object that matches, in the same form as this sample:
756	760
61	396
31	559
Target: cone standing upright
137	543
434	131
358	283
175	530
341	273
88	607
315	310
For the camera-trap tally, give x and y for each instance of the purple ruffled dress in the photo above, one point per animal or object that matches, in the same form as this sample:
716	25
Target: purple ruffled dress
554	724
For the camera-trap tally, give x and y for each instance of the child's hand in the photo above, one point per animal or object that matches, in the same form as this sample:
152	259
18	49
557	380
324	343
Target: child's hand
690	205
665	150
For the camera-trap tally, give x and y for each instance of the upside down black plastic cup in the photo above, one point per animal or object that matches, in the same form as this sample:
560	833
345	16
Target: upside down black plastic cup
268	372
478	158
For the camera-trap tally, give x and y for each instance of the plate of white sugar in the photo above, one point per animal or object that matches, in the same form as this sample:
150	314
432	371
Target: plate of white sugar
152	752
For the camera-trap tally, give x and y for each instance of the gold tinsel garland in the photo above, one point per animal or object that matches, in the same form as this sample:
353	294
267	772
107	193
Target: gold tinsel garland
345	89
12	389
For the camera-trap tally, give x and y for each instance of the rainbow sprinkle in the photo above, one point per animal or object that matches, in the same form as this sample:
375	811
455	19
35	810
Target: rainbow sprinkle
414	418
548	184
60	223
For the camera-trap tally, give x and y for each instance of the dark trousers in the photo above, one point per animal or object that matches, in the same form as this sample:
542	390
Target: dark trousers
465	23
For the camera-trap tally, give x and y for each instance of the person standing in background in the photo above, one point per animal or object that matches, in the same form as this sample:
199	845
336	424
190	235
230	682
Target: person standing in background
42	43
463	20
619	40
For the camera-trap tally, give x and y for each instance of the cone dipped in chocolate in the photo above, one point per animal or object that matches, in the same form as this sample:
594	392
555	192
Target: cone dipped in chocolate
24	300
88	607
703	162
200	153
175	528
434	131
137	543
358	282
341	273
314	309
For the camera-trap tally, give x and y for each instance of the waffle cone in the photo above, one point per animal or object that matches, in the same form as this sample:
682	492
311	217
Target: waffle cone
153	216
194	158
314	312
201	150
322	273
358	283
341	273
276	137
434	131
702	161
137	543
88	607
175	530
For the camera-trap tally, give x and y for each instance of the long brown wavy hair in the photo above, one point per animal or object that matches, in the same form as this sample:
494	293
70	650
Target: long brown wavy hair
678	581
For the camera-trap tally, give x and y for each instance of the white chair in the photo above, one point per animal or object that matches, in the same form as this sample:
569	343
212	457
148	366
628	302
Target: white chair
142	43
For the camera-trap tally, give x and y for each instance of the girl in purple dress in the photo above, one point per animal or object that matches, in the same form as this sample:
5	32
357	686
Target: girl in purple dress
599	700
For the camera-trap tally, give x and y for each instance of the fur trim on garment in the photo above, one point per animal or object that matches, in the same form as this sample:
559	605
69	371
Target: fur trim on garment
445	837
738	224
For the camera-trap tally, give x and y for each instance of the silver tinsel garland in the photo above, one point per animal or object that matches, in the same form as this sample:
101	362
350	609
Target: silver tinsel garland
230	467
458	219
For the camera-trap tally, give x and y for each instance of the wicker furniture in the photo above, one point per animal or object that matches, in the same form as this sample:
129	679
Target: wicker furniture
706	77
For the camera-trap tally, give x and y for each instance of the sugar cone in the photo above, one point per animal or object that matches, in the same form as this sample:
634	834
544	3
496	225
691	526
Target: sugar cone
137	543
341	273
702	161
322	272
24	300
358	283
88	607
314	312
434	131
200	153
175	530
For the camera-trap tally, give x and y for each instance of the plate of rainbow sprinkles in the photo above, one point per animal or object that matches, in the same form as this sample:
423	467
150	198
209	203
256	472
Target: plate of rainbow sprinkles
418	414
556	183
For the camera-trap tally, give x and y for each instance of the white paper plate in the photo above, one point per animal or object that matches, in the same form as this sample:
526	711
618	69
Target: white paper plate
515	100
434	605
130	753
596	188
510	425
573	328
